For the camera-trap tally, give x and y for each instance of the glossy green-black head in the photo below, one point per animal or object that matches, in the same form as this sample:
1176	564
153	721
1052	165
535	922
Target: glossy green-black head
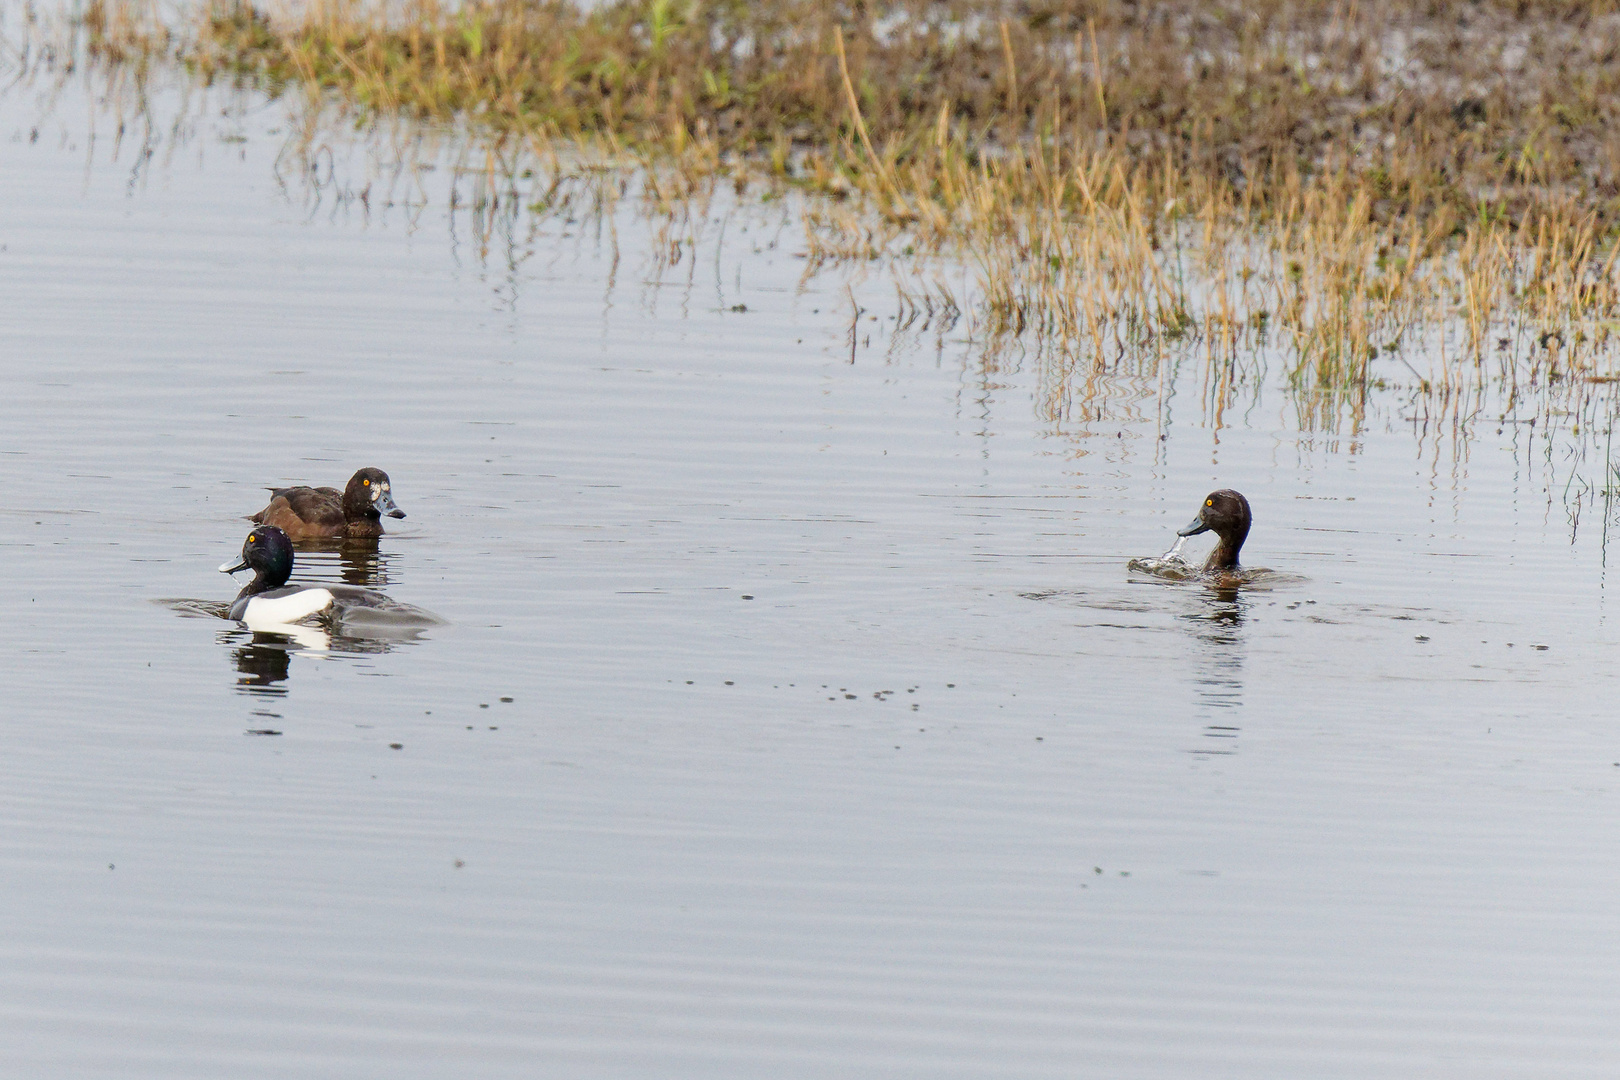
370	494
1226	514
269	554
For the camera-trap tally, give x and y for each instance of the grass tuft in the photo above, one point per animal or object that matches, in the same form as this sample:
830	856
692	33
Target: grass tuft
1349	180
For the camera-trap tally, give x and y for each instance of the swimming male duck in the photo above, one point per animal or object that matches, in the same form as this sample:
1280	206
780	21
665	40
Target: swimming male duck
269	601
304	513
1226	514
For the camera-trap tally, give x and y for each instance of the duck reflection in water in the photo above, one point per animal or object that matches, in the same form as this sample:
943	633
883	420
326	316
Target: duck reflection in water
1218	620
263	662
359	560
1217	625
264	658
362	564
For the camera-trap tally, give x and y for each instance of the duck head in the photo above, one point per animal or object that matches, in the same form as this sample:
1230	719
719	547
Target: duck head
1226	514
369	494
269	554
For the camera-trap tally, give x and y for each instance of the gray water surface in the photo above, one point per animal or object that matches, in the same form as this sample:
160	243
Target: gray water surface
839	741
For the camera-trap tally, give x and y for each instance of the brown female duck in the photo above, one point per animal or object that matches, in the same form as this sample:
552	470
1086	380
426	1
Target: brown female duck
305	513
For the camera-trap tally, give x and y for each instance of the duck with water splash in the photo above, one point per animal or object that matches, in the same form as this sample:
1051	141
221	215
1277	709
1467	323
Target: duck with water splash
1226	514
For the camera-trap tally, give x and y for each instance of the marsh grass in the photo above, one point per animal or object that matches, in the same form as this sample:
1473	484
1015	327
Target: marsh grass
1346	182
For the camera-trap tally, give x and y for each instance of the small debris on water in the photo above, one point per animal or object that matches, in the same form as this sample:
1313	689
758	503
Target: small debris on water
262	731
1539	648
747	596
1421	637
506	700
396	746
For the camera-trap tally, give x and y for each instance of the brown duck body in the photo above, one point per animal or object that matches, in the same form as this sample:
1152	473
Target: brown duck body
308	513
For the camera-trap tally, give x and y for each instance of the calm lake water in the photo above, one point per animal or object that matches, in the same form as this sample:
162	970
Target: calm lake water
795	716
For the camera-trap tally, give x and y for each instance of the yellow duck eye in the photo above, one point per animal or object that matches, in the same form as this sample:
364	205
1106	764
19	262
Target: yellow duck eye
365	483
252	537
1209	502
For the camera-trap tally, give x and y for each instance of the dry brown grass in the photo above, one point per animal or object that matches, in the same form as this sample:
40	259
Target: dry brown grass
1344	179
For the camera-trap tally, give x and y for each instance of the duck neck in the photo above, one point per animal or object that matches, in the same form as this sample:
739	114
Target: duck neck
358	507
1225	555
259	584
364	525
